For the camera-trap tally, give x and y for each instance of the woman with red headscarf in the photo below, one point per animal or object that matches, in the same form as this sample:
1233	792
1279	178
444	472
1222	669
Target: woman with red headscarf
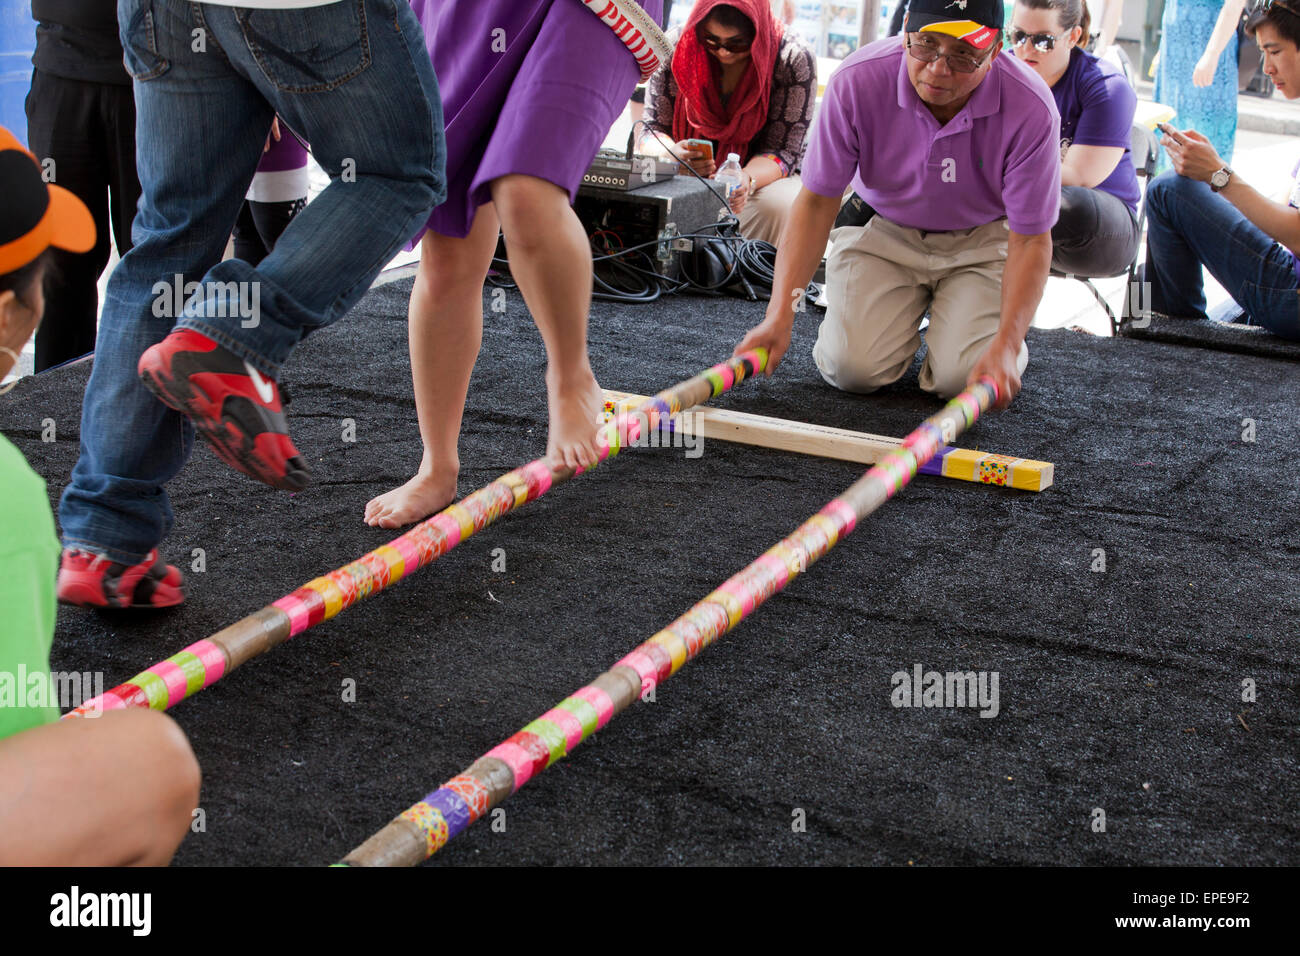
740	81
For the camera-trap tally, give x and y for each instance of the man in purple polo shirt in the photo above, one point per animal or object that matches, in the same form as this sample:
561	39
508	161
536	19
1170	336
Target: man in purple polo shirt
953	156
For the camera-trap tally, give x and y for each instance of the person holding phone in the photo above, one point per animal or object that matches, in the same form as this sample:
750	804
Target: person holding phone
738	82
1204	214
1097	232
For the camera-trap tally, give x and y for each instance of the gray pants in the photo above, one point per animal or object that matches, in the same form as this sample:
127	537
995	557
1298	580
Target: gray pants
1096	234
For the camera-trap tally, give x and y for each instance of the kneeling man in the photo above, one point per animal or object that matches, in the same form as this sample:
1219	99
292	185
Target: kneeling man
951	150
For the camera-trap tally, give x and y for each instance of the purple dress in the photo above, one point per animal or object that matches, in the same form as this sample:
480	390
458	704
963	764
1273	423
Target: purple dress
528	86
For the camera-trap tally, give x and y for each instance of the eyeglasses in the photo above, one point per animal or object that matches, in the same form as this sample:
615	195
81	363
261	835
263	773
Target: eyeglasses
1043	42
928	52
734	45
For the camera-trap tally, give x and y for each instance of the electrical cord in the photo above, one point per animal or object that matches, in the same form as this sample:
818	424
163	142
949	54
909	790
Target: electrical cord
630	274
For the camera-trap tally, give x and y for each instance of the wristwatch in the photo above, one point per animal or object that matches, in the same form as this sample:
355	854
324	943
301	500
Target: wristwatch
1220	177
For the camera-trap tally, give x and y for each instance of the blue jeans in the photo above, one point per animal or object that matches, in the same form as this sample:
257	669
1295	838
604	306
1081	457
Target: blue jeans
354	79
1187	226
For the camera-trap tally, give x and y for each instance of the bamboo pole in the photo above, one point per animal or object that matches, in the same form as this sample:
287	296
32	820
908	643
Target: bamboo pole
424	828
203	663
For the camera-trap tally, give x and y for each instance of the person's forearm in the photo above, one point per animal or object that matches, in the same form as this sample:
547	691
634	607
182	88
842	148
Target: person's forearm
1110	25
1072	177
1278	220
764	170
802	245
1029	260
1224	27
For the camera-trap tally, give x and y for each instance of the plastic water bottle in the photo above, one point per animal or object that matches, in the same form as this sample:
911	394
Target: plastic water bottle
730	176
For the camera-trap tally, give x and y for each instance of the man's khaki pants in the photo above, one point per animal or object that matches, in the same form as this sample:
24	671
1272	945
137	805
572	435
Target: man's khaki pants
880	280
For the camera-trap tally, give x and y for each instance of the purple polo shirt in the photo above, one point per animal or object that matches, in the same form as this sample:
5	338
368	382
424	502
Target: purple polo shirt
998	157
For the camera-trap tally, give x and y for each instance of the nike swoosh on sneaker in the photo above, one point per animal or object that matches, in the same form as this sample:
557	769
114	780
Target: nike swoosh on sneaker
265	390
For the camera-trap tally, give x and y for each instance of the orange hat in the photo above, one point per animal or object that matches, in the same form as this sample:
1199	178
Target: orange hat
35	215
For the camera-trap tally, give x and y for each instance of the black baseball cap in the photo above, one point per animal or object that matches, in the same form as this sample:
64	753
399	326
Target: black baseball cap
978	22
36	215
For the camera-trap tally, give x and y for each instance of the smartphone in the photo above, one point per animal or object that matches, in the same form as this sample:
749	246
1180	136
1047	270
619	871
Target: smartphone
703	144
1172	133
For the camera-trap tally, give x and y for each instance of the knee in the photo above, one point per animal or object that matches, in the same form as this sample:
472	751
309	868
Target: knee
528	208
946	380
177	795
1168	189
448	267
857	373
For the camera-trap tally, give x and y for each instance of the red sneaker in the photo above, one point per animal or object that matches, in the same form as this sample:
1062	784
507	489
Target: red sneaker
232	405
91	580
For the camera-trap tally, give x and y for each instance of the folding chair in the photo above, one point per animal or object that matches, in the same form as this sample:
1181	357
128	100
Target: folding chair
1144	148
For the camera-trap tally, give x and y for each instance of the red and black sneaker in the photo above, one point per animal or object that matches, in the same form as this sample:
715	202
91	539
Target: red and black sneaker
92	580
232	405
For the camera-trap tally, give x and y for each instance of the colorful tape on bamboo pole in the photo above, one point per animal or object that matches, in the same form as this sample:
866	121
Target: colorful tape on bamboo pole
424	828
204	663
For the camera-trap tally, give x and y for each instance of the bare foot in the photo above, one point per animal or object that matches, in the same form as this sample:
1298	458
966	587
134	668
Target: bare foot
575	412
425	494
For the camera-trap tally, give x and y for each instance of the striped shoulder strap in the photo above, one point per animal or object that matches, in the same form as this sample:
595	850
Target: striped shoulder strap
634	27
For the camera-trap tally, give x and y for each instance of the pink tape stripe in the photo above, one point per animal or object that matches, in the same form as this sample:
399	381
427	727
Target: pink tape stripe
517	759
646	668
174	678
568	723
298	617
409	552
600	700
448	526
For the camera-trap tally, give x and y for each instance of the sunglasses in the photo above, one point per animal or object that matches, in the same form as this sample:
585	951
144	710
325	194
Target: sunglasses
1042	42
1283	4
928	52
734	45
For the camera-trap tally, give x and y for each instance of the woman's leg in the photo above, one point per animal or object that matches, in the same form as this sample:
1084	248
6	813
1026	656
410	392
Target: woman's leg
766	212
446	330
1188	225
550	258
114	790
1095	236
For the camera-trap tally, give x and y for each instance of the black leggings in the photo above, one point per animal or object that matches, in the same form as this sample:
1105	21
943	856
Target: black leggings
259	225
88	130
1096	234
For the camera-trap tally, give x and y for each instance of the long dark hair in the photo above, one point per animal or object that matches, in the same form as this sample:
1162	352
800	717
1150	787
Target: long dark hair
1072	13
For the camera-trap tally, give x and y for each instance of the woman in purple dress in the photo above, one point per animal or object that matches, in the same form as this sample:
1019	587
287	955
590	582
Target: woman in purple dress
530	89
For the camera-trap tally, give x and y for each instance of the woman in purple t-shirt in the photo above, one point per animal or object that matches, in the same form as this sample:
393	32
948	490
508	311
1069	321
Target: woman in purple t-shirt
1097	232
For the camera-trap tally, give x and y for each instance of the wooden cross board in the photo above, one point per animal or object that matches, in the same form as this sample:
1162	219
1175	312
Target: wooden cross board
845	445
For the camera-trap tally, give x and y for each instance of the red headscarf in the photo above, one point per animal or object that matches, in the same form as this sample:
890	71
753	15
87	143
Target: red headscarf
699	113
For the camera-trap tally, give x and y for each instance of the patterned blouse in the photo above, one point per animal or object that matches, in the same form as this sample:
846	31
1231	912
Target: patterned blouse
789	113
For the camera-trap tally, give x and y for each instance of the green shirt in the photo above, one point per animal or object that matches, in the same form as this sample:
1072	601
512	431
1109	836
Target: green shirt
29	565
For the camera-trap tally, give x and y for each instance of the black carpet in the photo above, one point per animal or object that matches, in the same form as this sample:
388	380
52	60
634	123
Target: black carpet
1208	334
1119	691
